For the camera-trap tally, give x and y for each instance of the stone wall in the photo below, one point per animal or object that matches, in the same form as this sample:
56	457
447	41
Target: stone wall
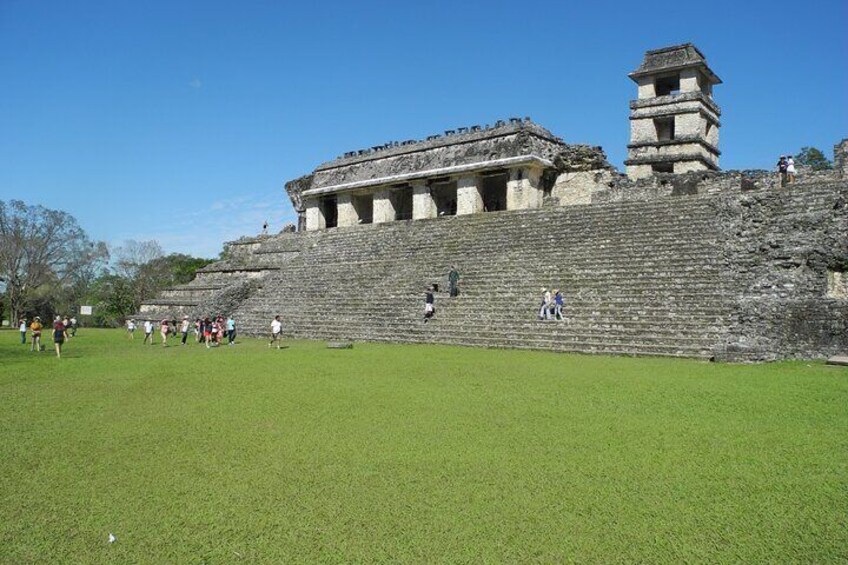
840	158
781	250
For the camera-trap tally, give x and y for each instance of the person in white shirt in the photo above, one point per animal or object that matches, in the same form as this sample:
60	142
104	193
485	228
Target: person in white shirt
184	329
276	330
23	327
131	328
148	331
790	169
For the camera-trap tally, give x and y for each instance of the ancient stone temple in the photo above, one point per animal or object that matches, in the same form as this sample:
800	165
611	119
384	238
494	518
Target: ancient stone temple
464	171
674	258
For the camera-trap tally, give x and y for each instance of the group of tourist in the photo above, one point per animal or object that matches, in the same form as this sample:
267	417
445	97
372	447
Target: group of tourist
786	168
429	293
208	331
551	307
64	328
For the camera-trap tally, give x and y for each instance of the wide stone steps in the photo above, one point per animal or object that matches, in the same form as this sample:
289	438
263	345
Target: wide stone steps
637	277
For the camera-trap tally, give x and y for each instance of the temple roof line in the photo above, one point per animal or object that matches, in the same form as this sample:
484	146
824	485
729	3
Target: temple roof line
450	137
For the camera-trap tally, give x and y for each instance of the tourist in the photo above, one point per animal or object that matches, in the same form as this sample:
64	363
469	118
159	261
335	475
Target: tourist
781	169
558	305
219	337
59	335
184	330
231	330
72	330
148	331
276	331
429	304
790	169
173	327
547	305
265	228
67	324
22	326
131	328
453	281
163	331
36	327
207	332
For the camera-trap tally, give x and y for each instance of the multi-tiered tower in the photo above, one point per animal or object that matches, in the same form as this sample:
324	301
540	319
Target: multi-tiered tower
674	122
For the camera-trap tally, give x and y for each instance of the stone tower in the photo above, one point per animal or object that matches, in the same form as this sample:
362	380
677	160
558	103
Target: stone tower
674	121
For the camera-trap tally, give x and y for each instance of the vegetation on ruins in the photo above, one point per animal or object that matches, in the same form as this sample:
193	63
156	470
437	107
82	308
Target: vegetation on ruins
435	454
813	158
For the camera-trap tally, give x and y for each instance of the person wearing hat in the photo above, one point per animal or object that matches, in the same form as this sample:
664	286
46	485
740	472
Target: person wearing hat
35	328
545	310
184	329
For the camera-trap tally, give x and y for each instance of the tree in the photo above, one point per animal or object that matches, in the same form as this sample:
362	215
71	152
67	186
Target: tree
814	159
42	248
132	260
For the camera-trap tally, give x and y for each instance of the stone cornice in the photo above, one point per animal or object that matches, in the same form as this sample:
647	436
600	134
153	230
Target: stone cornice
670	113
696	96
671	159
683	140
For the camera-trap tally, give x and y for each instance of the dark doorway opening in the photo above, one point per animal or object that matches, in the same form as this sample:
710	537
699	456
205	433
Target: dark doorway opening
363	204
330	210
494	192
444	195
402	201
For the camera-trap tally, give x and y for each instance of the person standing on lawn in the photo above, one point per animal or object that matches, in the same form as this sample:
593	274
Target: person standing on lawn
60	334
276	331
148	331
35	327
22	327
231	330
184	329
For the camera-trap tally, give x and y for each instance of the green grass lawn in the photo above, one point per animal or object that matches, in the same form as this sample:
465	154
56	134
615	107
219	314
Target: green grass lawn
414	454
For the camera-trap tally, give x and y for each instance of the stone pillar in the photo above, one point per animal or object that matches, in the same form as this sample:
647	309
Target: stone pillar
346	212
469	200
423	205
523	188
384	207
314	215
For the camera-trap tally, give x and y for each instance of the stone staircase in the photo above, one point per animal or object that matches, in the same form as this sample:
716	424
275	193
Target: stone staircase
638	278
670	276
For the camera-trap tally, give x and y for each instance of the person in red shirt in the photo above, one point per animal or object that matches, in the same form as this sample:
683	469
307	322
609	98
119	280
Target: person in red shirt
59	335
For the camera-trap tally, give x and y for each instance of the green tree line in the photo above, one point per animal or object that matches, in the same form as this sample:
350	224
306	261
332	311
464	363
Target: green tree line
49	266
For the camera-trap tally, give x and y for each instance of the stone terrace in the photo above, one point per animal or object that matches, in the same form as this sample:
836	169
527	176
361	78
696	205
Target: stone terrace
639	277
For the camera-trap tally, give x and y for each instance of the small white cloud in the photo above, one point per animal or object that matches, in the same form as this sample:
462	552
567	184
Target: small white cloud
195	83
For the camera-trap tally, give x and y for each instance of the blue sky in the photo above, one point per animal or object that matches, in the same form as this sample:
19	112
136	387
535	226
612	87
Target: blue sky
180	121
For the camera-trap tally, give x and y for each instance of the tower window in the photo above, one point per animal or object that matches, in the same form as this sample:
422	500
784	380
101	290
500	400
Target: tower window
667	85
665	128
662	167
